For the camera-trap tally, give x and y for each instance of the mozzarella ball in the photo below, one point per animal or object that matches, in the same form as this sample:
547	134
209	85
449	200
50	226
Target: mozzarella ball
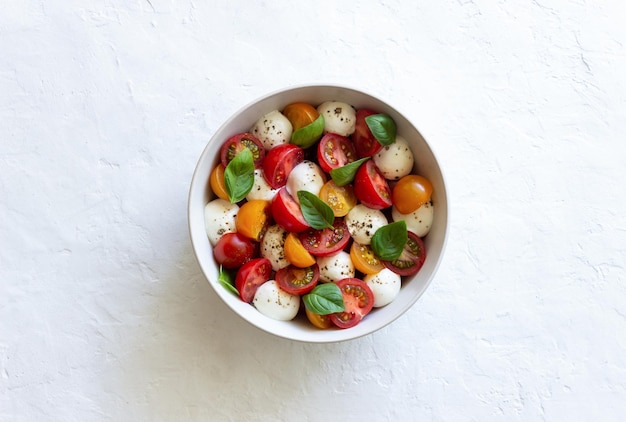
395	160
419	221
363	222
385	285
339	118
306	176
273	247
219	219
276	303
261	189
335	267
273	129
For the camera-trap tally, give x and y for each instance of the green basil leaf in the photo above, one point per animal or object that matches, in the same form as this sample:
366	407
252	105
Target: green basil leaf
324	299
315	211
345	174
388	241
239	176
383	128
309	134
227	279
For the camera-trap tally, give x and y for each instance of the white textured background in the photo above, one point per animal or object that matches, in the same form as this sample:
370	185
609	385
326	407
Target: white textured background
106	106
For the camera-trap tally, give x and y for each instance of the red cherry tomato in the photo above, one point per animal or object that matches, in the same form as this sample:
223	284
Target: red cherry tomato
411	259
298	281
279	162
327	241
358	299
335	151
365	143
371	188
237	143
287	213
250	276
233	250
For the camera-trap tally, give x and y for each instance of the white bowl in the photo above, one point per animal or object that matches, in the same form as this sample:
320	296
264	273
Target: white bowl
425	164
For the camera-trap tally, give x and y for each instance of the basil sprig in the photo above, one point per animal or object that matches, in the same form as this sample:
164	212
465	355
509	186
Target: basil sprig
389	240
345	174
315	211
227	280
324	299
382	127
239	176
309	134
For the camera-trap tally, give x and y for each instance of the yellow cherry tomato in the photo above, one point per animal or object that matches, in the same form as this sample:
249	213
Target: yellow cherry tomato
410	193
253	218
364	259
216	181
341	199
296	254
300	114
320	321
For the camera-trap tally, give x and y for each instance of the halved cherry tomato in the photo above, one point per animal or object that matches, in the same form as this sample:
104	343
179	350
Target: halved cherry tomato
250	276
371	188
279	162
364	259
216	181
411	192
365	143
300	114
358	300
235	144
253	218
327	241
298	281
287	213
320	321
233	250
295	252
335	151
411	259
341	199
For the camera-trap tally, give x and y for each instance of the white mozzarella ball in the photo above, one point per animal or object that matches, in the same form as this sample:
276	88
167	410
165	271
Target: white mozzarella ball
385	285
276	303
273	129
339	118
363	222
306	176
273	247
335	267
419	221
261	189
395	160
219	219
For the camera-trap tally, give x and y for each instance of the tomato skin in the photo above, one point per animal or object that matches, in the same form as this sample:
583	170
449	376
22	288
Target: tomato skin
250	276
411	259
371	188
358	299
253	219
298	281
300	114
287	213
364	259
327	241
279	162
295	252
410	193
320	321
365	143
216	181
334	151
236	143
233	250
341	199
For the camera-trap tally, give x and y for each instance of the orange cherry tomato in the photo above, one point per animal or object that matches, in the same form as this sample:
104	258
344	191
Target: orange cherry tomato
253	219
364	259
320	321
410	193
300	114
216	181
296	253
341	199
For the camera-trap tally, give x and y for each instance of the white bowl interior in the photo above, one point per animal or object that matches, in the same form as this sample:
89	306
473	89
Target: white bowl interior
425	164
